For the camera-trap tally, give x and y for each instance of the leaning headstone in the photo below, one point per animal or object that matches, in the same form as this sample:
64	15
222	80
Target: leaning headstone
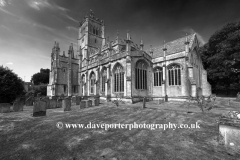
229	129
39	108
5	107
78	99
66	104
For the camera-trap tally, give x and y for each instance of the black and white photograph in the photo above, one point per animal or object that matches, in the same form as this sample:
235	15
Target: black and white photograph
119	80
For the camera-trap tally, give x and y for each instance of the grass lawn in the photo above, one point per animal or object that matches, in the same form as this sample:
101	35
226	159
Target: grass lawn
25	137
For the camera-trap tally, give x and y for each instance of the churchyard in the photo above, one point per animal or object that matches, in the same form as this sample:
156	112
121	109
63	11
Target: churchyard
23	136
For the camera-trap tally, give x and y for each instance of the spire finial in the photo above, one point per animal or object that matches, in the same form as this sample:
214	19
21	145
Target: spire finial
128	35
117	34
164	45
141	41
186	39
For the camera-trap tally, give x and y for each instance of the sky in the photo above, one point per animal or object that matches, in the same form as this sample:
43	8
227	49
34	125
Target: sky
29	28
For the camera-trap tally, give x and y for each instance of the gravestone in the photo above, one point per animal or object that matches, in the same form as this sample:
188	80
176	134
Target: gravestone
66	104
52	103
59	103
18	105
39	108
5	107
85	104
144	102
95	101
46	99
73	100
238	97
229	129
160	101
78	99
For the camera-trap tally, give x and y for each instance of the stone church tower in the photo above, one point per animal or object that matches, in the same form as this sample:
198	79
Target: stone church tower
120	67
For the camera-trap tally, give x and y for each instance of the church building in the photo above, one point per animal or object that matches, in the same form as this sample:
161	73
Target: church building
122	68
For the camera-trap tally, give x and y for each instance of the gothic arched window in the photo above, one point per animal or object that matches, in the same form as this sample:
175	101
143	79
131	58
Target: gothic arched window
141	75
92	83
158	76
104	78
94	30
118	79
174	75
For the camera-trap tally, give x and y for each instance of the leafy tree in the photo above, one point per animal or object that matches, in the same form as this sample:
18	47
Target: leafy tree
221	58
11	86
41	77
42	90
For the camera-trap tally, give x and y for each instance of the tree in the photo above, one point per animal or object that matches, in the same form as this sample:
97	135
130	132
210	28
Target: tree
11	86
41	77
221	58
42	90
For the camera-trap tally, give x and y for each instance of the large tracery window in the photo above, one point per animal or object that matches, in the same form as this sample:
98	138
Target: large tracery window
92	83
174	75
158	76
141	76
104	78
119	79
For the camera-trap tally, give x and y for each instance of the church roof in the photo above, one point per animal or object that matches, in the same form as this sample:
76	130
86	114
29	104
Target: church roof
174	46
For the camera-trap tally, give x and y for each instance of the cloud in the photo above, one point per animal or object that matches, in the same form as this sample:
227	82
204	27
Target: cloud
69	17
2	3
9	63
189	30
38	4
5	27
72	28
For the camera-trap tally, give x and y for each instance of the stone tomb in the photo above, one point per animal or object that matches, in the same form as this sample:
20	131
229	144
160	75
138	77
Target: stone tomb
95	102
18	105
85	104
229	129
66	104
39	108
5	107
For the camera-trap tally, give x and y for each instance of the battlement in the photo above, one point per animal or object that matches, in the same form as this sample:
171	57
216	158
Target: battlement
92	17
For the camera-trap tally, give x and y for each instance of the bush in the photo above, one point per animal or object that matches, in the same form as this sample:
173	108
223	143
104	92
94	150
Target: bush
11	86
